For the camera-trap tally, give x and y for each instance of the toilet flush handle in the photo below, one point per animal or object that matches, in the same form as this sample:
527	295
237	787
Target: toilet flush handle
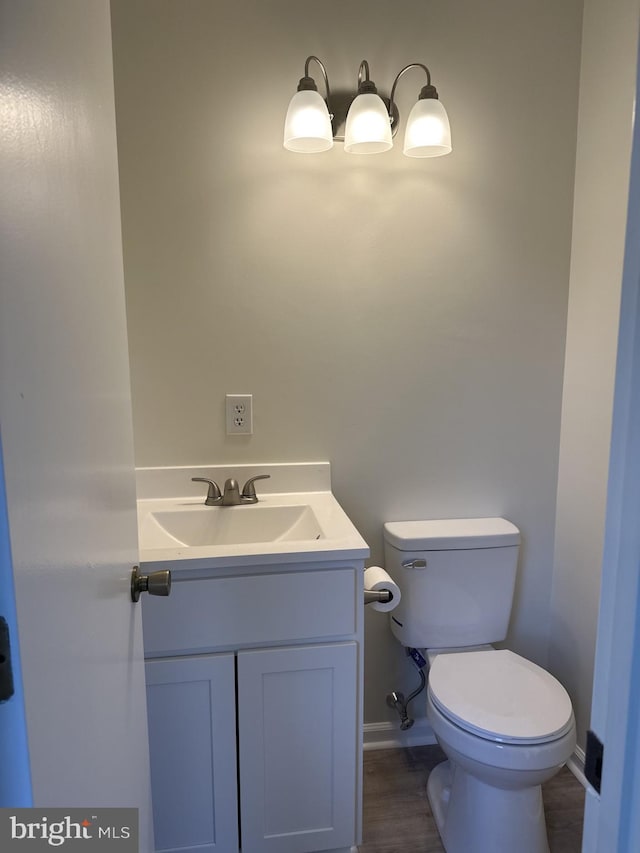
414	564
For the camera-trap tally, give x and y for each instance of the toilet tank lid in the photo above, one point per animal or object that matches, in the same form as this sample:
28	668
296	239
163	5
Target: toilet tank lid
451	534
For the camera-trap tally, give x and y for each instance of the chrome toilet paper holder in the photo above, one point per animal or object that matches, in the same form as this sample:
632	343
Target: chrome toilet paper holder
383	596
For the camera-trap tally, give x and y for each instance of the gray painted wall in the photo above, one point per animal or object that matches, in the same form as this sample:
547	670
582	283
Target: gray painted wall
607	93
403	319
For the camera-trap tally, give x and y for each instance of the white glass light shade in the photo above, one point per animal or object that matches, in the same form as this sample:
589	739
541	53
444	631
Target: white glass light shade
428	133
368	128
307	127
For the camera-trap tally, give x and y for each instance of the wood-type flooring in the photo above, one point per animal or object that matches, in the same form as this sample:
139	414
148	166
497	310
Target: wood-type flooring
397	816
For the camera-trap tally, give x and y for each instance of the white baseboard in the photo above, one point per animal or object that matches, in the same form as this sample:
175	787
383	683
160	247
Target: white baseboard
576	766
390	736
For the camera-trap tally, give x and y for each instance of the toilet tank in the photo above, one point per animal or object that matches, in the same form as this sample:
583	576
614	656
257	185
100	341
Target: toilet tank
456	577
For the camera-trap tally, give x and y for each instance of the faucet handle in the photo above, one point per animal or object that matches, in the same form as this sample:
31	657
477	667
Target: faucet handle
249	490
213	494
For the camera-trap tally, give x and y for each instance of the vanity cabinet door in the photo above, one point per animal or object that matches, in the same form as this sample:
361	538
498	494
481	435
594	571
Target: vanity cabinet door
297	719
192	738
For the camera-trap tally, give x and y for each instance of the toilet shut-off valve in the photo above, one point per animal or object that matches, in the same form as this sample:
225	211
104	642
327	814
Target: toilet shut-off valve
397	701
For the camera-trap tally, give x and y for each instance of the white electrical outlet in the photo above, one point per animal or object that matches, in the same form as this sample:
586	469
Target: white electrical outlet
239	414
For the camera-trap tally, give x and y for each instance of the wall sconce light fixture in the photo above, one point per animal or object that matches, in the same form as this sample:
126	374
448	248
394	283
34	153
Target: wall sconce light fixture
371	122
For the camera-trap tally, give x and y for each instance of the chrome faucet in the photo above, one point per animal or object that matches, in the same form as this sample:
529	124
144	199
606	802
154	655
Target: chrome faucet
214	496
231	495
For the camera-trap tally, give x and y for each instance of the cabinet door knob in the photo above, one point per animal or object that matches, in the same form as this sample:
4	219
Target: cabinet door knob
155	583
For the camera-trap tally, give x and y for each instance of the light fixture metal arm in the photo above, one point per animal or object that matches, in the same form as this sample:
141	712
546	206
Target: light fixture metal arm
324	75
365	83
364	67
428	91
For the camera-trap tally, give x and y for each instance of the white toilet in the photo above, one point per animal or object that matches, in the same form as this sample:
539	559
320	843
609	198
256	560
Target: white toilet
505	724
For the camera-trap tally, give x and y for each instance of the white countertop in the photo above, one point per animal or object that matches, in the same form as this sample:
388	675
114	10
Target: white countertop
326	533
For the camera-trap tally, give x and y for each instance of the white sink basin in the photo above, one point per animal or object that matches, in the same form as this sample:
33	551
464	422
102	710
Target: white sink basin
238	525
303	522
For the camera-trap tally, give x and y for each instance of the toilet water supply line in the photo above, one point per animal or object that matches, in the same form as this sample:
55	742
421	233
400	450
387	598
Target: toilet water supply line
397	700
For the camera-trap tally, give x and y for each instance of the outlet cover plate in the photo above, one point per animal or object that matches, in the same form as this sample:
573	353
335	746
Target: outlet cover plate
239	414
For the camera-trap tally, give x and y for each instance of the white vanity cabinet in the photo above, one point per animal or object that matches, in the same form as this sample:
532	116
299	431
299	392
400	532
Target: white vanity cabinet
192	739
254	681
298	749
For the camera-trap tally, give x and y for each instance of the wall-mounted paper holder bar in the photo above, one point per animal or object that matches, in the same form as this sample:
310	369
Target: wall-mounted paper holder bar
381	595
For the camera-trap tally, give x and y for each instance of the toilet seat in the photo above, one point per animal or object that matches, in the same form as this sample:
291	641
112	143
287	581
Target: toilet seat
500	696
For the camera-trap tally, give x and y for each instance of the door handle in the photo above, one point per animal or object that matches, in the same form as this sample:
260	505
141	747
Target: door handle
155	583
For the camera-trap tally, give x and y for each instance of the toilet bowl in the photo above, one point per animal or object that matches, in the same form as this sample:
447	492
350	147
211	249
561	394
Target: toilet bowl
505	724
